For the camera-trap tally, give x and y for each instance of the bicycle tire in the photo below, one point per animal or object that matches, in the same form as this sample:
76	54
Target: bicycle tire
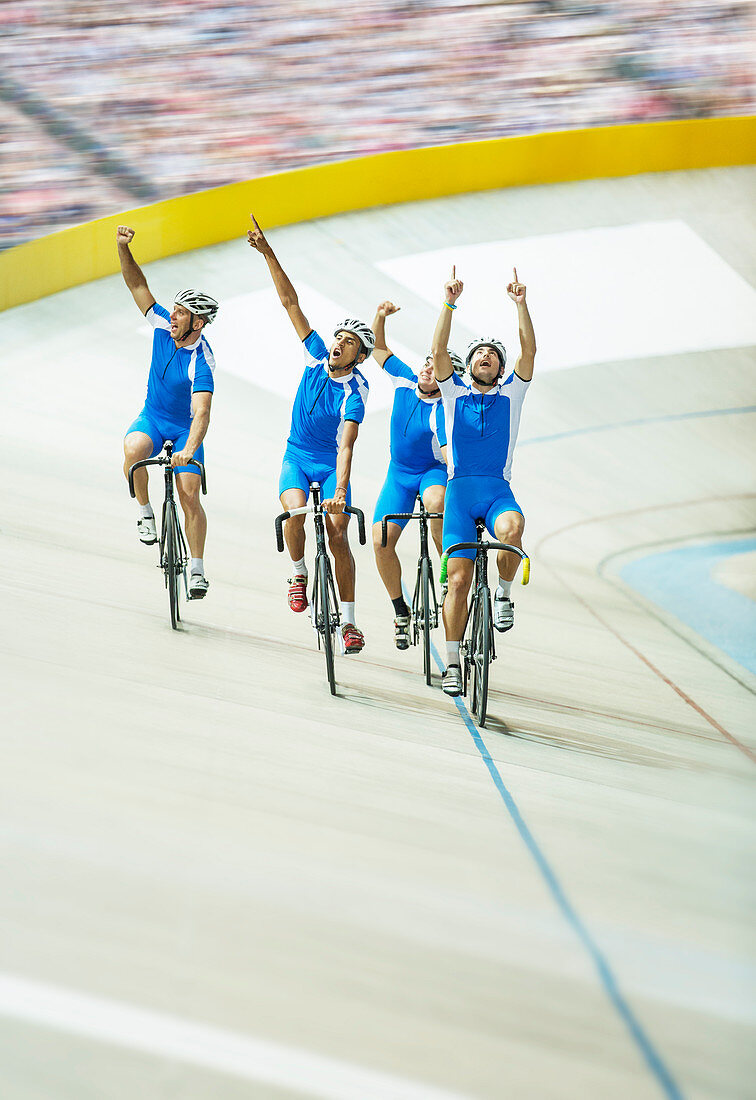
425	598
170	565
482	657
325	617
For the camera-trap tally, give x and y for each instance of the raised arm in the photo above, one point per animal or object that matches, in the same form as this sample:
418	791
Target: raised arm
132	273
281	281
443	367
526	359
381	352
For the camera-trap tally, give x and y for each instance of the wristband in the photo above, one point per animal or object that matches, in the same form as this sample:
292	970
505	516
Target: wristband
449	305
340	489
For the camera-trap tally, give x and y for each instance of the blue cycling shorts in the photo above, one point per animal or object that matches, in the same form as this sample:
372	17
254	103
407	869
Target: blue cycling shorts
159	431
401	487
299	470
471	498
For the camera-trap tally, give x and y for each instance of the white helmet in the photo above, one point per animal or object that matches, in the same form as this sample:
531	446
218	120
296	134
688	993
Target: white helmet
457	362
202	305
363	332
483	342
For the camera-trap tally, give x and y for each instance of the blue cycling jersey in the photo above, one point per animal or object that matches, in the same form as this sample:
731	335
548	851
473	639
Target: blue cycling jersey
175	373
323	404
482	427
417	424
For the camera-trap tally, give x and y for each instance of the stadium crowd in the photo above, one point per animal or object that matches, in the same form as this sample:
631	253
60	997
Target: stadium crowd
104	106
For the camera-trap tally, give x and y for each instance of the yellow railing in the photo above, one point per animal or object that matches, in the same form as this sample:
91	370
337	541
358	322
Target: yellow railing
87	252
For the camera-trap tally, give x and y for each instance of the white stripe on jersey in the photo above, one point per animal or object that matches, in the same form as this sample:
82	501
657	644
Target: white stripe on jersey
433	425
516	390
209	357
450	408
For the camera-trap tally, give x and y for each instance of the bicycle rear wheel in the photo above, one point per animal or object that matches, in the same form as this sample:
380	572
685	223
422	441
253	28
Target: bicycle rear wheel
481	656
426	617
171	565
324	618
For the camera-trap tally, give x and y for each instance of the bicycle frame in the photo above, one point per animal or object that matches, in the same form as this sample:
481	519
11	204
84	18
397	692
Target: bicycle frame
424	599
325	608
477	648
170	527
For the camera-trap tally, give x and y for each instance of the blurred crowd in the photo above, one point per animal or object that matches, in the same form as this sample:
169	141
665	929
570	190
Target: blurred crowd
104	105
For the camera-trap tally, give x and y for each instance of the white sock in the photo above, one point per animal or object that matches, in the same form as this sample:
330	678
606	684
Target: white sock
347	613
452	653
300	568
197	566
505	587
145	511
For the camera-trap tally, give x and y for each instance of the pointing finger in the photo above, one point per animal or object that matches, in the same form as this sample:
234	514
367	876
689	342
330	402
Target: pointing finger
454	271
514	269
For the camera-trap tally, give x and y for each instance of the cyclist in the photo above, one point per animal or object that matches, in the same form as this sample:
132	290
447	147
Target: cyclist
417	465
177	407
328	410
482	420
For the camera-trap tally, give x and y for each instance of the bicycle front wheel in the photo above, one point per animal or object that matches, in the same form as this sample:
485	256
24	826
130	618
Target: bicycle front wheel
425	612
171	566
481	656
324	616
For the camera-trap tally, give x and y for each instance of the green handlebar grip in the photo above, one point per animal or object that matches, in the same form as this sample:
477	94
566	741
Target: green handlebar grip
442	574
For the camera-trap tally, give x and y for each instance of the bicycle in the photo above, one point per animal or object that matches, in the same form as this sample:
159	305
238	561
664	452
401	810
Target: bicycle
477	649
424	601
173	552
324	607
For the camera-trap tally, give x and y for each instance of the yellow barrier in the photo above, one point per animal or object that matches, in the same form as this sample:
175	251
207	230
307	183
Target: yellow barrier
87	252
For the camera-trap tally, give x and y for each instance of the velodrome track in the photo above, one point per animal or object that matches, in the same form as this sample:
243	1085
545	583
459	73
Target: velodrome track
218	881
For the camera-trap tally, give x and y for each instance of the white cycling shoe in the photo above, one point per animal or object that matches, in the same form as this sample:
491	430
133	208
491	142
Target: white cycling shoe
198	586
147	530
402	631
451	681
503	612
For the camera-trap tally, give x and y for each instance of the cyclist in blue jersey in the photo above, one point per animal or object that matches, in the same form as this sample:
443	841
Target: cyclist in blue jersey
328	410
417	465
177	406
482	420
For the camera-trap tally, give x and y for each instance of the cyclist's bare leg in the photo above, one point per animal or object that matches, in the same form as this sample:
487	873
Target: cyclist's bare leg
389	566
338	544
195	520
508	528
294	528
433	499
459	574
137	446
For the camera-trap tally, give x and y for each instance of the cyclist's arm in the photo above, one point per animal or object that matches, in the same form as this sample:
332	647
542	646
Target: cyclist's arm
526	359
343	467
200	420
382	352
281	281
443	367
132	273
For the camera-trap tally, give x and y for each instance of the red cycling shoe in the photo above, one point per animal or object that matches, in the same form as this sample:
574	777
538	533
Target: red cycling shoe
354	639
298	593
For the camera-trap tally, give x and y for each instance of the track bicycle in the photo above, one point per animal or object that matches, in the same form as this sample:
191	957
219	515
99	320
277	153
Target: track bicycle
173	552
424	601
477	649
324	604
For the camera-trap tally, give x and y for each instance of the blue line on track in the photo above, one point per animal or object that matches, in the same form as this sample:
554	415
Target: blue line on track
636	424
609	982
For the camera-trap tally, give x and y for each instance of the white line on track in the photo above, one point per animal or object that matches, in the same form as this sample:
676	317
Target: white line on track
227	1052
